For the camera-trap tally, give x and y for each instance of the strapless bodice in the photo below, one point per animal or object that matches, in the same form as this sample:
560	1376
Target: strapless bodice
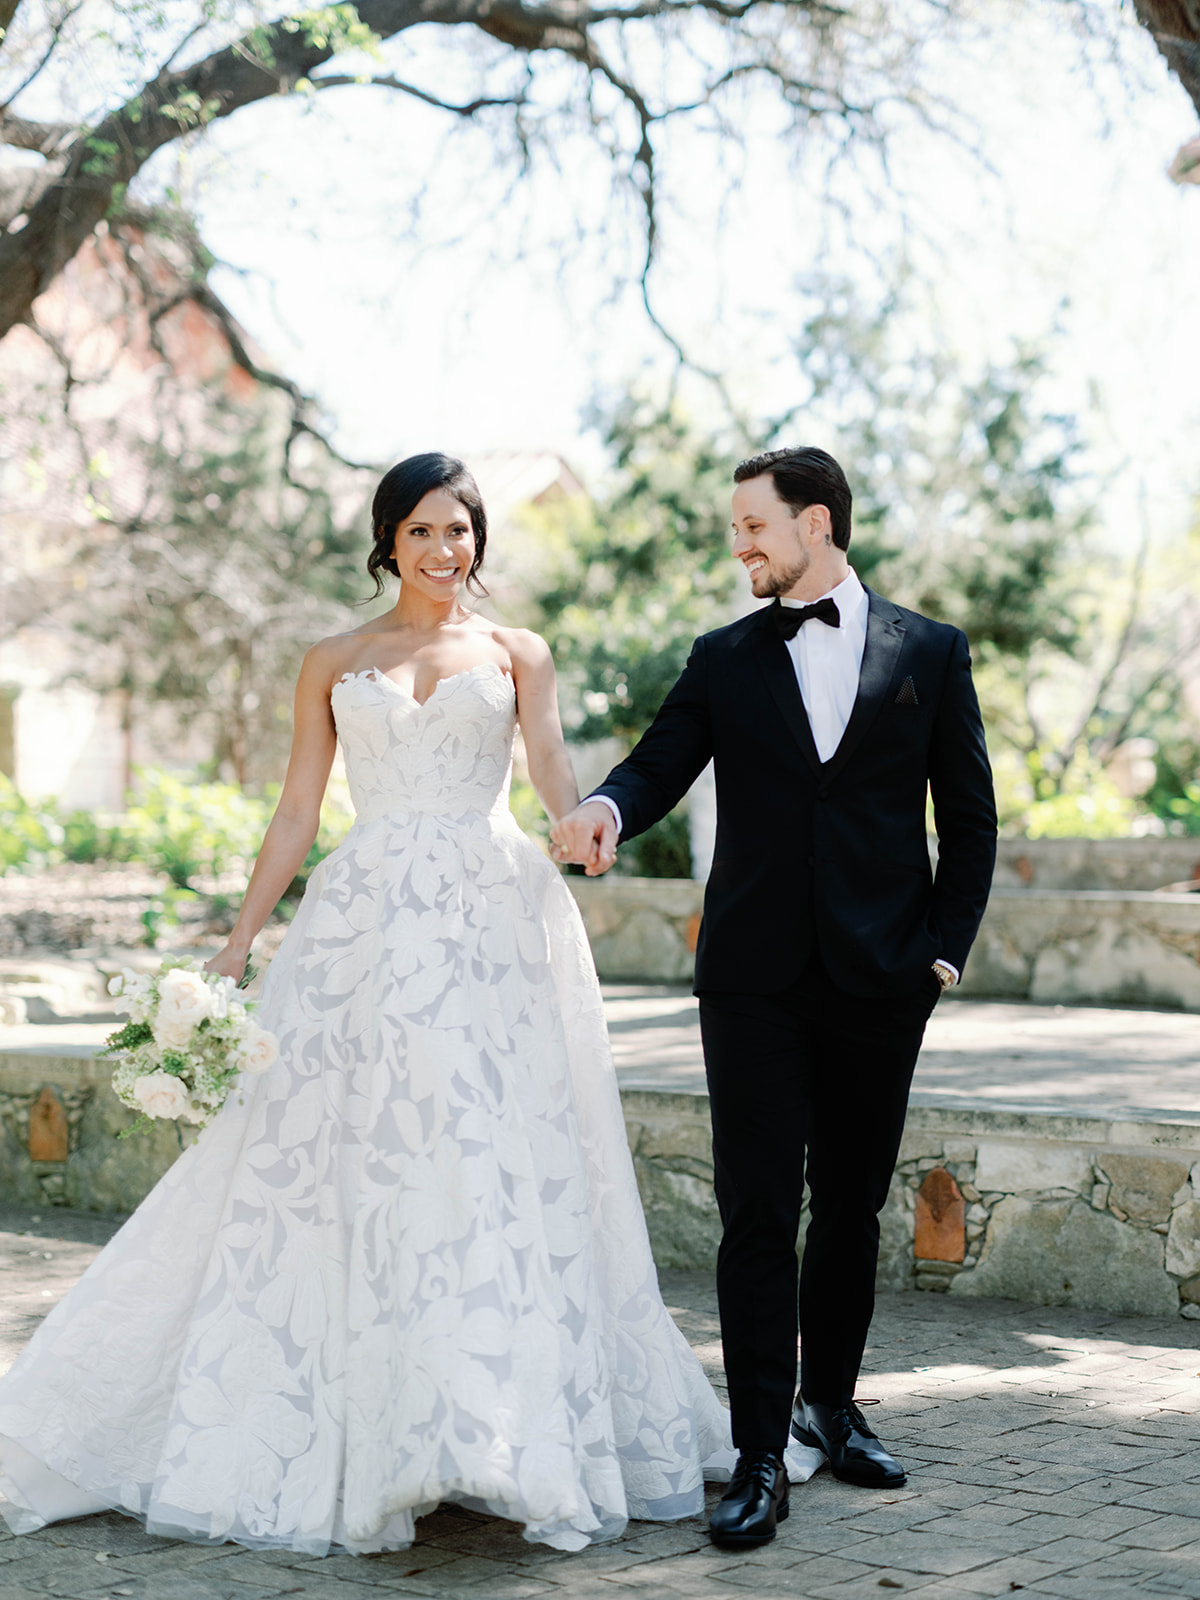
449	755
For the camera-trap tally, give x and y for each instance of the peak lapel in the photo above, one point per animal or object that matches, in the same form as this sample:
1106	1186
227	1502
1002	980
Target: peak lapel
772	656
885	635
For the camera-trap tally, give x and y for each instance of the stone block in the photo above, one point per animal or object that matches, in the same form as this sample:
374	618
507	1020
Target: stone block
895	1268
645	947
1062	1253
998	965
1006	1166
1143	1186
1119	961
683	1142
106	1173
940	1230
1183	1240
18	1181
919	1144
681	1216
1189	1292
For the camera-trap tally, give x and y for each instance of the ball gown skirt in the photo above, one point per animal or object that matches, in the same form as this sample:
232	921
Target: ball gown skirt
408	1264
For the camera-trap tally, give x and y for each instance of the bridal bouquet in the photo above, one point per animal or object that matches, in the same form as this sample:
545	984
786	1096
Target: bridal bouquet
187	1041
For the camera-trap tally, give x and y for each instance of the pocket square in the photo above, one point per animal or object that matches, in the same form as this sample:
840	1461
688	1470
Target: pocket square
908	694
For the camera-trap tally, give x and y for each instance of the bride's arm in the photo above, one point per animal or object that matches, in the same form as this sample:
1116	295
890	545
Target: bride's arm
550	769
293	828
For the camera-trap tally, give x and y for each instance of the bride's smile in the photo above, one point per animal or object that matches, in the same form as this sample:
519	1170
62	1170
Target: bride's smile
435	546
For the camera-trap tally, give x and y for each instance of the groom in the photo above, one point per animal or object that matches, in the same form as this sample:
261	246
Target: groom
826	941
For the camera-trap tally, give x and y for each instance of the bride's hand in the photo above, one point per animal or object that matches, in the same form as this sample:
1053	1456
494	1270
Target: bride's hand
227	963
587	835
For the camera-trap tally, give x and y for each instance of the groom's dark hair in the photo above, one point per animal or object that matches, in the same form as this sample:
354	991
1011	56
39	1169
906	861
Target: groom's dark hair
805	477
402	489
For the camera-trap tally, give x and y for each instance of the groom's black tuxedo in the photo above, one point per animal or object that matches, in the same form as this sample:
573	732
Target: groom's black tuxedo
821	922
833	854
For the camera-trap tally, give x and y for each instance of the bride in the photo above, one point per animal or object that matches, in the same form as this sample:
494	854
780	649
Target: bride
409	1264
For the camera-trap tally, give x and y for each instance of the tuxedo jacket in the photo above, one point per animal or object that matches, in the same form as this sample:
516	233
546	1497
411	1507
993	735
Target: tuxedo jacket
828	855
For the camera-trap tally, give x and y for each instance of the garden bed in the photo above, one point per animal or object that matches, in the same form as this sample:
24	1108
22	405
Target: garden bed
71	908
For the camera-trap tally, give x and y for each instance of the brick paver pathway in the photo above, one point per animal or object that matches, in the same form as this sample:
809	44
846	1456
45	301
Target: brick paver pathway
1051	1452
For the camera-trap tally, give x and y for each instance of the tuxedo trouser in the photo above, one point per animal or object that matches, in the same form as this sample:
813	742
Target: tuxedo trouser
807	1086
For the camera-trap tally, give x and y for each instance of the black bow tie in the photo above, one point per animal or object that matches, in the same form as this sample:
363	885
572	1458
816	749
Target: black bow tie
790	619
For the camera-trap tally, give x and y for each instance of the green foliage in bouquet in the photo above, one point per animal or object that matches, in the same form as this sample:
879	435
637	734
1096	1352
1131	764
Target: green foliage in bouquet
188	1040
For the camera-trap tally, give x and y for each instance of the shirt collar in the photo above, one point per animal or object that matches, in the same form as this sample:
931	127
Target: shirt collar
849	595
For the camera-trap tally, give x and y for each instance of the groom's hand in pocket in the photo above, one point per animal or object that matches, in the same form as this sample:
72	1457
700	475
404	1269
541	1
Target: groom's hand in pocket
587	836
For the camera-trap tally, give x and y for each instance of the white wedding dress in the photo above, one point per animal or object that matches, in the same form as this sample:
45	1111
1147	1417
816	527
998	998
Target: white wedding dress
409	1264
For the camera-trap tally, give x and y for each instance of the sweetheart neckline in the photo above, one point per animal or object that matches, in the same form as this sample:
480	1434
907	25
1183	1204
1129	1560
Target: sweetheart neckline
382	677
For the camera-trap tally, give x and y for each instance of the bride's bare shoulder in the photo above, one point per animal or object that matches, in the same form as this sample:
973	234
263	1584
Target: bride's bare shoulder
524	647
328	659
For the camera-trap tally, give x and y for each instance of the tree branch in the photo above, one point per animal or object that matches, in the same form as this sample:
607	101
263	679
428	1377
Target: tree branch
102	162
47	138
388	81
8	10
1174	25
56	33
201	295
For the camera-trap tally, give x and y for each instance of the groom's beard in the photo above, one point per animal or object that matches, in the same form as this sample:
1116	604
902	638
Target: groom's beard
774	584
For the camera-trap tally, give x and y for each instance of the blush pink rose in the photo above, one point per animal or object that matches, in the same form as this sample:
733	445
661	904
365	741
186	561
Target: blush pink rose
161	1094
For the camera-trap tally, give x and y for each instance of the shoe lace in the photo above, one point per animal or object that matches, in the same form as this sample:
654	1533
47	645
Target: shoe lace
858	1419
760	1467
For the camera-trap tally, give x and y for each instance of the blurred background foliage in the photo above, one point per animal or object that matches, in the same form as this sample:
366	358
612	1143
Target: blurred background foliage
184	827
247	548
974	504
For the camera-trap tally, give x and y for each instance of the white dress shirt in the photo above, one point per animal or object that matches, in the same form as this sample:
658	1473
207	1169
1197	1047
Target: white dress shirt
828	662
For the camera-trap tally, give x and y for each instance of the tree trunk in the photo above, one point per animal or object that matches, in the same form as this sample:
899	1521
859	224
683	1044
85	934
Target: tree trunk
1175	28
103	161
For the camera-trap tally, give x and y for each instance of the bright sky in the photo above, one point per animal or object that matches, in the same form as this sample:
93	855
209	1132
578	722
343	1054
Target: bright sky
470	346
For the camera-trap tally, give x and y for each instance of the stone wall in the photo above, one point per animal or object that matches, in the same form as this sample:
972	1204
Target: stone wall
1060	1209
98	1170
1096	863
1055	947
1084	947
641	930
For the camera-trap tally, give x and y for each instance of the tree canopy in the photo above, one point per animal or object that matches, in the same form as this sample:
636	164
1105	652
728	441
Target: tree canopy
972	505
126	80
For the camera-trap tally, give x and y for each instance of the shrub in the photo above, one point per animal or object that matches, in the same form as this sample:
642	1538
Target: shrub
31	835
186	828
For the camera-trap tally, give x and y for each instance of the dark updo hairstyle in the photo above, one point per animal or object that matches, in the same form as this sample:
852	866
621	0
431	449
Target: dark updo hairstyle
804	477
399	493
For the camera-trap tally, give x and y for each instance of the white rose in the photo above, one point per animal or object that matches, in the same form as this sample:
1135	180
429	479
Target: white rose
138	997
183	1001
258	1049
219	996
161	1094
116	984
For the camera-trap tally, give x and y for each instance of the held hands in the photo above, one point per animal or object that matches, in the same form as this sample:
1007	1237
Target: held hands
588	836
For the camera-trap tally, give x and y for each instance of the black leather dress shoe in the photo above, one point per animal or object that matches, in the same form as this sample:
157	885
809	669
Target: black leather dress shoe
757	1498
855	1454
